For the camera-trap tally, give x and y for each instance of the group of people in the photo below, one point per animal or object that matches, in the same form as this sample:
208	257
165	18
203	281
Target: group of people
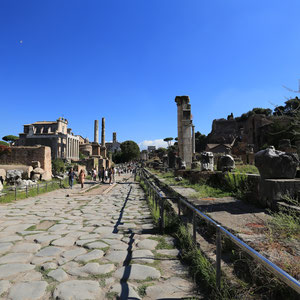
104	175
80	177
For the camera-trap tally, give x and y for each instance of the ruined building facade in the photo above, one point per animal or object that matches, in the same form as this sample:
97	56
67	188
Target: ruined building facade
55	134
113	146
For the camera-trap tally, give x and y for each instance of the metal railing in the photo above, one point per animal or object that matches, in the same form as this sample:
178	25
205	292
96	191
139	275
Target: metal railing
159	202
25	190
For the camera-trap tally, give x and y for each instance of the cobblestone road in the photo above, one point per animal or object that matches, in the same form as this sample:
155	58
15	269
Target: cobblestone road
87	246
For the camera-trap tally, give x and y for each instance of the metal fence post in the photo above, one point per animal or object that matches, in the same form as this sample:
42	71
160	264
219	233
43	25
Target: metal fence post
162	212
37	188
194	226
179	207
15	193
46	186
26	191
218	257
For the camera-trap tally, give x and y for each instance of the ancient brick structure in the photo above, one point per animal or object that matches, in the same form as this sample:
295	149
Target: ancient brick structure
55	134
26	155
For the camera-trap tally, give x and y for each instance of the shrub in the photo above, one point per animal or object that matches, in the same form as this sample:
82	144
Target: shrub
58	166
237	184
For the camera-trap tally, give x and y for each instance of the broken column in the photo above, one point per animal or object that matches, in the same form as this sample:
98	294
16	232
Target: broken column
114	137
184	124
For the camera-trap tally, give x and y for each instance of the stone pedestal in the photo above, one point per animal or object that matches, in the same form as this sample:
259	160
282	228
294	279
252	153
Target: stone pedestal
207	161
103	151
96	149
102	163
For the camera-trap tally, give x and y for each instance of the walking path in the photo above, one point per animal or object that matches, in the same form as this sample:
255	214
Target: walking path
71	245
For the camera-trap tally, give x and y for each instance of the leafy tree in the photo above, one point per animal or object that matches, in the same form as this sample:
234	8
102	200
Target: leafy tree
255	111
117	157
81	155
168	140
129	151
160	152
58	166
4	150
4	143
291	108
10	138
200	141
289	128
278	111
262	111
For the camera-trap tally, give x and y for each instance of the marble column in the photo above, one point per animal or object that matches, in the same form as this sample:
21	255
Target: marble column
103	133
96	132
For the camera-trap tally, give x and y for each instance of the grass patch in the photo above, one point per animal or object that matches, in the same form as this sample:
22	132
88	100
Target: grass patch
285	224
249	169
162	243
205	191
31	228
145	280
142	289
32	191
112	295
201	190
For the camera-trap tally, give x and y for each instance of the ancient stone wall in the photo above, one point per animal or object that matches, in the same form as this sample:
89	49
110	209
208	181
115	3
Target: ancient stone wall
25	155
262	192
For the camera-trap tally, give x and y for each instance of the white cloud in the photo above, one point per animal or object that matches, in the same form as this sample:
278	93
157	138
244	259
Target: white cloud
158	143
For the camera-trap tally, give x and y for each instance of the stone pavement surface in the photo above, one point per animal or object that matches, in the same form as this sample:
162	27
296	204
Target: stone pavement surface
69	245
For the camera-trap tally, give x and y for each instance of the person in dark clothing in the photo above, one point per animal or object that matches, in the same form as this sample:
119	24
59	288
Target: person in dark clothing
99	174
71	177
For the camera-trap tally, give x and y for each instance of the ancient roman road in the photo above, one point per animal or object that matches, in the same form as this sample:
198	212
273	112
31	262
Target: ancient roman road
87	246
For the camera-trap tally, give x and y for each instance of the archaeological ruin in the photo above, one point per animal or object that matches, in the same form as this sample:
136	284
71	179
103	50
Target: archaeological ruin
54	134
184	125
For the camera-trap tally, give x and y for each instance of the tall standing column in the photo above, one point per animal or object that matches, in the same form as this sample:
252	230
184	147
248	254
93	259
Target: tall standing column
103	133
96	132
72	148
77	150
184	129
194	140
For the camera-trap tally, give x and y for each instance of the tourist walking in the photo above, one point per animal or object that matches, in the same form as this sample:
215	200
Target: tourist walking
81	177
71	178
100	174
109	175
113	171
105	175
94	174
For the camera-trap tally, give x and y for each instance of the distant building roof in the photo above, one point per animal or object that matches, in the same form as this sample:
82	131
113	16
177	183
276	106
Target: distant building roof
45	122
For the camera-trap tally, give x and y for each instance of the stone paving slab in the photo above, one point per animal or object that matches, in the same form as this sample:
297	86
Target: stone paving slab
70	245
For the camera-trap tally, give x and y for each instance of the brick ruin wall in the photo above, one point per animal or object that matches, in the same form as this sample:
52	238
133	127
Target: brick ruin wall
25	155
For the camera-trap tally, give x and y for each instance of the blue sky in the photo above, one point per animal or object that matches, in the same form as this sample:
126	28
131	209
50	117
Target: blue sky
127	60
